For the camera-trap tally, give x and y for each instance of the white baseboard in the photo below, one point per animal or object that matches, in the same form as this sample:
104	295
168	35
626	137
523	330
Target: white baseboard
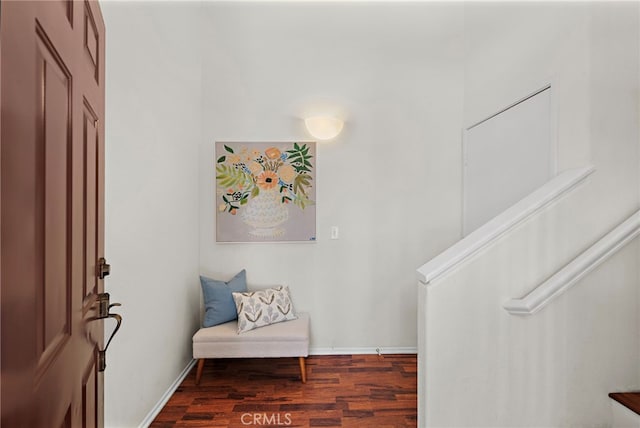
362	351
166	396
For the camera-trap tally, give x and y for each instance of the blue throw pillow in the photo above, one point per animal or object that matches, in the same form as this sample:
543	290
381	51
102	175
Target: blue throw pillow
218	302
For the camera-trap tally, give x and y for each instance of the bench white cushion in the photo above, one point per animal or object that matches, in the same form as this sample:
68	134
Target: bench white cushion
284	339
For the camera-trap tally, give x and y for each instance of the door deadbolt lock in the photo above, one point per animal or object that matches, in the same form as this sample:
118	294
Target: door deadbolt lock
104	308
104	268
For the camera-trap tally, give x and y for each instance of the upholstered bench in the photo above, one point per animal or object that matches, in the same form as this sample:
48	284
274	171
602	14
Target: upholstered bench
283	339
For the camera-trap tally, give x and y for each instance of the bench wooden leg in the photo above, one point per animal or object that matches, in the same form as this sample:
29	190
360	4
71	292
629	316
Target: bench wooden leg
199	370
303	369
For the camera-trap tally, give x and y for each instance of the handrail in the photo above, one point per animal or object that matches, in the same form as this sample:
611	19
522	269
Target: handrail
502	223
569	275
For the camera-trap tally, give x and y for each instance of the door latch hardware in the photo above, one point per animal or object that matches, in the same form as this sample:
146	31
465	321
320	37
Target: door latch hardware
104	268
103	313
104	306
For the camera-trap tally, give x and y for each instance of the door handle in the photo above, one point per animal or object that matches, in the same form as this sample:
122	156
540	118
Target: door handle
102	354
104	308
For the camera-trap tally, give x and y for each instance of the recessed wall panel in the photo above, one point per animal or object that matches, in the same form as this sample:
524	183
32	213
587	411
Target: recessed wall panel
506	157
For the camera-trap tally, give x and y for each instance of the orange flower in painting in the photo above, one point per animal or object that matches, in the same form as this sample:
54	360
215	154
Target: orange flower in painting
287	173
254	167
267	180
272	153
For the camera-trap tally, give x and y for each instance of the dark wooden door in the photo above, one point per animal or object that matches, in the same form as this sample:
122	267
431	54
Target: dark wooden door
51	212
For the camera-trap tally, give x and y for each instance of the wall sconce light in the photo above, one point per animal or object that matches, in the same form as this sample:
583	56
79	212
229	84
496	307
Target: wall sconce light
324	127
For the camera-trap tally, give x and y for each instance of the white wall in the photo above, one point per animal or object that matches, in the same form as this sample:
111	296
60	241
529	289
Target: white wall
391	180
407	82
153	131
554	368
513	49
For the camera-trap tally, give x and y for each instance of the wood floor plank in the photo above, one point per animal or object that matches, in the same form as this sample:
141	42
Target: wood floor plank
630	400
344	390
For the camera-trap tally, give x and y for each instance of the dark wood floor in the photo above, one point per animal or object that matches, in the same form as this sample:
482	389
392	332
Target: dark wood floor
349	391
630	400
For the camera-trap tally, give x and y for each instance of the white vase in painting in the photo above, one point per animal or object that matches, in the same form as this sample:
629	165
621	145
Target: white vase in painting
265	213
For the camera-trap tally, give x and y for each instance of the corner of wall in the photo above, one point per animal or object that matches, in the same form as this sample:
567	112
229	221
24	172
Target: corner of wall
153	129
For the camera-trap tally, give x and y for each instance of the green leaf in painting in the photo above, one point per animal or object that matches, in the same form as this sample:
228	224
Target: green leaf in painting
228	176
303	201
222	159
227	148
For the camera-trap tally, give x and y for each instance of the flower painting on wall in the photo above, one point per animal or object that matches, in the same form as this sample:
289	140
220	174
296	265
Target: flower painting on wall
265	192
